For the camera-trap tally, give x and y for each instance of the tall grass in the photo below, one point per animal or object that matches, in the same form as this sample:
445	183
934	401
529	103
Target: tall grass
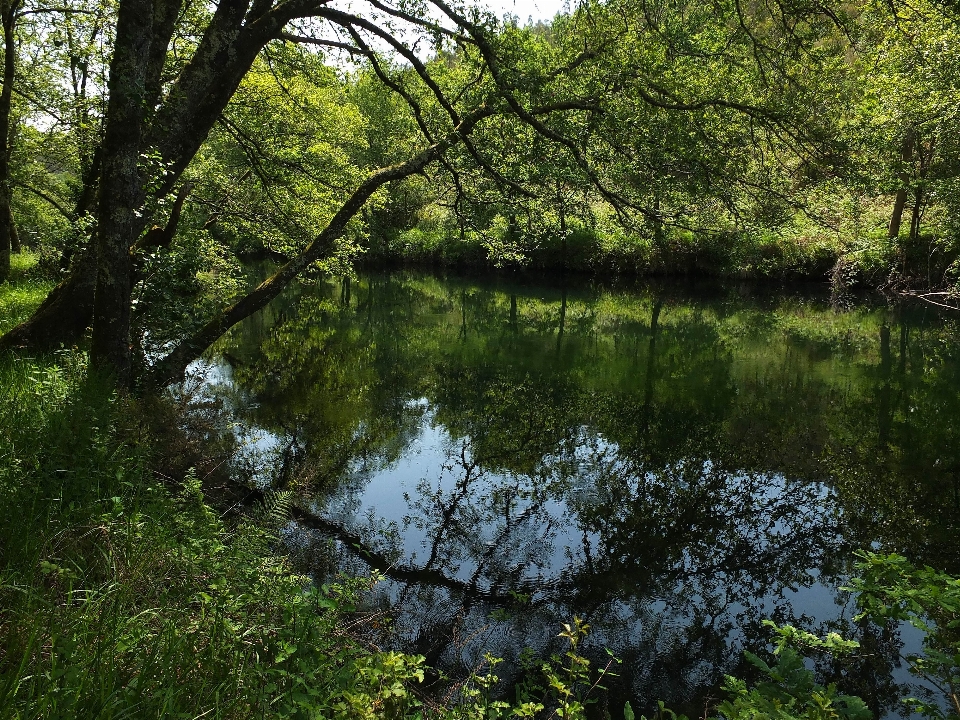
23	292
121	596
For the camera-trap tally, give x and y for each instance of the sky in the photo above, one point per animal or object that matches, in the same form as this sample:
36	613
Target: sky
524	10
537	9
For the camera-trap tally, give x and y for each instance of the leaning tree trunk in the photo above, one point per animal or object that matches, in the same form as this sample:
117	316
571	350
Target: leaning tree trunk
119	220
8	15
64	315
174	365
900	201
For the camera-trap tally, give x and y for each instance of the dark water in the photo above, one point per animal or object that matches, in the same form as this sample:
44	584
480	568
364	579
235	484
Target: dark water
673	464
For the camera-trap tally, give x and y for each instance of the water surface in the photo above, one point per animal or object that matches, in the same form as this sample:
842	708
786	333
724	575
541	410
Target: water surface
673	463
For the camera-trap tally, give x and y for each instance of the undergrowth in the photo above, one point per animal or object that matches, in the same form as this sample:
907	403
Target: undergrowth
123	596
24	290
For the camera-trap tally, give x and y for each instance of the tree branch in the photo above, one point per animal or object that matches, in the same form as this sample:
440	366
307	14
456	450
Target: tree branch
189	349
352	49
40	194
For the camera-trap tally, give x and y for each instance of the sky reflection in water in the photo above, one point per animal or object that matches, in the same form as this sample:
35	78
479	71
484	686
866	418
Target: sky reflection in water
673	466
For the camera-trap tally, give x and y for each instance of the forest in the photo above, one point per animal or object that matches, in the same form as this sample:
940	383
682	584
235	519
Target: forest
397	358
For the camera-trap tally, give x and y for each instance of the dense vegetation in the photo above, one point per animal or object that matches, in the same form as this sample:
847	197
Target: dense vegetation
147	147
770	139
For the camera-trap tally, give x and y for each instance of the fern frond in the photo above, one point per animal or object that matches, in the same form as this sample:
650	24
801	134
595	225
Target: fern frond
274	511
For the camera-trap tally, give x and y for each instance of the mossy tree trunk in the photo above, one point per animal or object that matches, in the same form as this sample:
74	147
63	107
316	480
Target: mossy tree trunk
119	218
9	239
169	122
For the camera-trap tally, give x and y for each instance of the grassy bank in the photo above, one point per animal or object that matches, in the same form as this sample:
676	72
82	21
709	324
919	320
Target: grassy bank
856	252
24	291
614	252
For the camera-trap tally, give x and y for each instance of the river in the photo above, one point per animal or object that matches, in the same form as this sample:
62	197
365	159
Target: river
672	462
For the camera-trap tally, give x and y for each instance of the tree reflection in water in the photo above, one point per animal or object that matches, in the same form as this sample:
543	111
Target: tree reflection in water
673	469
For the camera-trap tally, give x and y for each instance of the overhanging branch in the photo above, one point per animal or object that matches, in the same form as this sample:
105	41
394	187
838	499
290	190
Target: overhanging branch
352	49
44	196
189	349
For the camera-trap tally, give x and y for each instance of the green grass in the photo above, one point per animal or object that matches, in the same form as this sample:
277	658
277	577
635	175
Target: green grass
123	596
23	292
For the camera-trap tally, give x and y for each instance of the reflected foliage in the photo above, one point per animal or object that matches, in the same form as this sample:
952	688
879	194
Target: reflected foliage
672	467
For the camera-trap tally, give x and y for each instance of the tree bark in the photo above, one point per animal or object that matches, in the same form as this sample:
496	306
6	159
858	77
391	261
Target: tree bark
563	228
8	232
916	214
65	314
926	158
4	256
900	201
165	15
119	217
15	246
222	59
86	204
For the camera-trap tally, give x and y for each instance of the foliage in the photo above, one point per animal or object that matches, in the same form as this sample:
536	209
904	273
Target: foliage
891	588
561	687
775	141
275	170
772	434
760	140
790	690
127	594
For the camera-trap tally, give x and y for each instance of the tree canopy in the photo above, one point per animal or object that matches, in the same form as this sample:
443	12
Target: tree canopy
153	143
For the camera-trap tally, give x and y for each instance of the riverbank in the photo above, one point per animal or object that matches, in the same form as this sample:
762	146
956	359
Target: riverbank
865	260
